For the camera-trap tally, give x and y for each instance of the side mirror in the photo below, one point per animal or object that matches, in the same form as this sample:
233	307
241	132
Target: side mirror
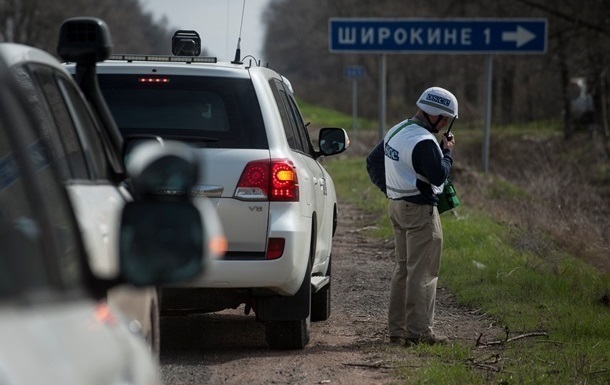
333	140
161	240
154	167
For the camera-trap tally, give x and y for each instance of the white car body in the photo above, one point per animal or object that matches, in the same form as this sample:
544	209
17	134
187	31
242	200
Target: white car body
235	115
97	199
76	341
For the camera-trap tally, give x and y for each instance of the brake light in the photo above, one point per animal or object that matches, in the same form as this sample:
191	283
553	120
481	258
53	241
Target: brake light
275	248
153	80
273	180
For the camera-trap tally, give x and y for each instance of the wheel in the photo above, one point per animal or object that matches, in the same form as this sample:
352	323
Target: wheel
286	335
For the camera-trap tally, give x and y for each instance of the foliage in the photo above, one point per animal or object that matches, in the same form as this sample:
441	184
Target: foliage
514	270
578	47
36	23
486	269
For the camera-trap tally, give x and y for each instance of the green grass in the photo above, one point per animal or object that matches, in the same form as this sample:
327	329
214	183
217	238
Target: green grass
324	117
524	291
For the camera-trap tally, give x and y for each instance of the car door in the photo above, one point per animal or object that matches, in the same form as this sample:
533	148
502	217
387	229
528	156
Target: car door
73	140
300	143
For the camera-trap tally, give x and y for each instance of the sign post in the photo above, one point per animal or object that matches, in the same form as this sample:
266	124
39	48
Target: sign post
354	73
438	36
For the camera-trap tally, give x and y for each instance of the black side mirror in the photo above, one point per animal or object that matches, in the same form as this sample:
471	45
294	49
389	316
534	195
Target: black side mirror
155	167
333	140
160	242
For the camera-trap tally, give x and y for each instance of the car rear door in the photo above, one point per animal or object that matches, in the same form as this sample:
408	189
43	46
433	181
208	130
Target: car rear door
300	143
73	140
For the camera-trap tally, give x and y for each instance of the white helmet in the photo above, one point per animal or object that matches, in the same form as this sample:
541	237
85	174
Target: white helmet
438	101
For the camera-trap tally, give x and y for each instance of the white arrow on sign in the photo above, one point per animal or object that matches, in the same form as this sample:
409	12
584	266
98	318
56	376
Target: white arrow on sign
521	36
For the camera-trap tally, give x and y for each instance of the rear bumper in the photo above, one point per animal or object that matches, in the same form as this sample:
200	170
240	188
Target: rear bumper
283	275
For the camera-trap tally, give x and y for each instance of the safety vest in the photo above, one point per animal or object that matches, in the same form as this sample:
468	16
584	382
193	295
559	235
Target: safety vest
399	142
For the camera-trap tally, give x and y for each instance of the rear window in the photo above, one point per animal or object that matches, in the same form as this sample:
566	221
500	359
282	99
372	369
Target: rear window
211	111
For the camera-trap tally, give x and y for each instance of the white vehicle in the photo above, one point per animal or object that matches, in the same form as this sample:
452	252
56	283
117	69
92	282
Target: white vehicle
88	151
276	202
55	326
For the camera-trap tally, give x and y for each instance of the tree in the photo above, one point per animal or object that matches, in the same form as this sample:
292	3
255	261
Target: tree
36	23
525	87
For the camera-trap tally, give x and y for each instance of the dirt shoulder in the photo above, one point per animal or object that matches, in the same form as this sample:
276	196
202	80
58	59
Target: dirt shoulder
349	348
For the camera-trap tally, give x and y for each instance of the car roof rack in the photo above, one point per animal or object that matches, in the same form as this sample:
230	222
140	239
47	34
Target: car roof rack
164	58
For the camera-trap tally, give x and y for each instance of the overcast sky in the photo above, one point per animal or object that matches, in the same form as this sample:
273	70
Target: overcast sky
217	22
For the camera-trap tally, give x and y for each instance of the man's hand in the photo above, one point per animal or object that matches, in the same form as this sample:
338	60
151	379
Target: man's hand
448	142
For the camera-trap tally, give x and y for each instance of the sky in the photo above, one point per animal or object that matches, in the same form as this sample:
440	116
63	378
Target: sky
217	22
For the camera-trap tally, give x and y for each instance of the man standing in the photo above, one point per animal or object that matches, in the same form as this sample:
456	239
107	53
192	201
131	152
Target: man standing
416	168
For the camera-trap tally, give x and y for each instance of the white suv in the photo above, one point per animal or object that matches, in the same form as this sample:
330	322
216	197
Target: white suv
87	148
275	200
55	327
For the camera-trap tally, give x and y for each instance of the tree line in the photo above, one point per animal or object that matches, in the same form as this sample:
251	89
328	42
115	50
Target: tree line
36	23
574	72
525	88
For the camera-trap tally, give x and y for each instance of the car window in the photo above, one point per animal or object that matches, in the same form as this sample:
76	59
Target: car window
64	124
40	112
27	246
87	129
217	112
288	121
300	127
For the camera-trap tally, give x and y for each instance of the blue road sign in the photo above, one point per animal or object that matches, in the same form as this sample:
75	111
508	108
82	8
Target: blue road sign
457	36
353	72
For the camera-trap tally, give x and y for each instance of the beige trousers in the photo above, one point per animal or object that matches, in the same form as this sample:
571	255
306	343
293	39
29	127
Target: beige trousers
418	238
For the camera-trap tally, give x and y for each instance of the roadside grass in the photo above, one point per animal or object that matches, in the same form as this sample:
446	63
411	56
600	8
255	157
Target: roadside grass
548	302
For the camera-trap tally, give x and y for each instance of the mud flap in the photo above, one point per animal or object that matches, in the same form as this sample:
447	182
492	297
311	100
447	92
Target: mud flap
278	308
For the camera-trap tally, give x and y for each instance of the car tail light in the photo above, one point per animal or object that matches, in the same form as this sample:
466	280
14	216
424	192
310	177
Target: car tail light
273	180
275	248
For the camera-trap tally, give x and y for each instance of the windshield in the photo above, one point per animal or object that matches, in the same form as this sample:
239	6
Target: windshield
216	112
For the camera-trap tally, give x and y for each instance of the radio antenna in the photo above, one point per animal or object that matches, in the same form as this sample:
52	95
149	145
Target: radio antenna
237	59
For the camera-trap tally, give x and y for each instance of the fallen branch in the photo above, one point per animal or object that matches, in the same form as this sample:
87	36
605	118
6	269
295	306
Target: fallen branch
374	365
526	335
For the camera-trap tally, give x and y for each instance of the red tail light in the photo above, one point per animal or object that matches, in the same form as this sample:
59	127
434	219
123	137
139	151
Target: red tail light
275	248
273	180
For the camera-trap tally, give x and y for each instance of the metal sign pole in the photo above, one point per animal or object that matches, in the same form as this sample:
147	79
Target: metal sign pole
354	106
487	122
382	96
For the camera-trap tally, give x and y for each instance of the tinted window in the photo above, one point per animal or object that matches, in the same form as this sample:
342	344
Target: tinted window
40	112
87	129
288	121
215	112
40	248
64	125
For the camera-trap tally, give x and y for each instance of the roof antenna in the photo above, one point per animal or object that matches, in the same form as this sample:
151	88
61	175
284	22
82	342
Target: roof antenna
237	59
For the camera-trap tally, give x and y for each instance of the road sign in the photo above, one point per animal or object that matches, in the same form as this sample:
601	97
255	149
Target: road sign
458	36
353	72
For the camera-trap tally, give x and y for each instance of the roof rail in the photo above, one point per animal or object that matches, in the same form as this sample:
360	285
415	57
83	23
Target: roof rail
163	58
